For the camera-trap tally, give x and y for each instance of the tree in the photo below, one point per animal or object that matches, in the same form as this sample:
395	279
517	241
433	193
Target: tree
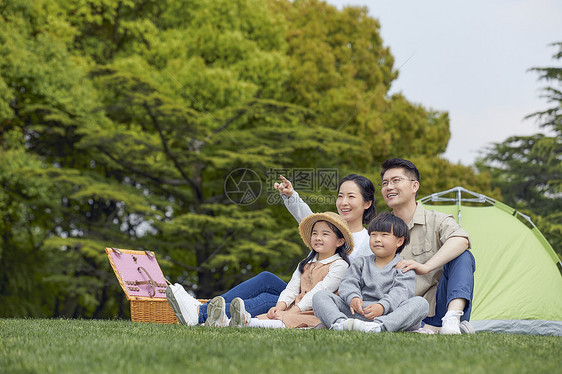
137	133
340	69
528	169
51	266
342	72
150	125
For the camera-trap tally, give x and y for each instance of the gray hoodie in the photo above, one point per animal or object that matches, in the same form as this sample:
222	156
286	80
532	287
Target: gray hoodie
387	286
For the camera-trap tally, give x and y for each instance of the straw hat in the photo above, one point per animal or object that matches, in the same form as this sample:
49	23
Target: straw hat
305	228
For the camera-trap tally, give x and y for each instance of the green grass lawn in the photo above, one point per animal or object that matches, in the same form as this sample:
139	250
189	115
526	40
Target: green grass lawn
96	346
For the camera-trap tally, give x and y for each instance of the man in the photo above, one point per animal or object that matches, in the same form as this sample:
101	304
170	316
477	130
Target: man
438	251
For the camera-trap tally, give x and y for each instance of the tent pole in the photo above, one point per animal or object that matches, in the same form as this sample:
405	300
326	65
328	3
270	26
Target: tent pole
459	204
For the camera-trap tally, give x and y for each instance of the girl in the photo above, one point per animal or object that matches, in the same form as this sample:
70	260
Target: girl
330	242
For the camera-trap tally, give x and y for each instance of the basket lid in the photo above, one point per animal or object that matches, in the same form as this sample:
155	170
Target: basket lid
138	273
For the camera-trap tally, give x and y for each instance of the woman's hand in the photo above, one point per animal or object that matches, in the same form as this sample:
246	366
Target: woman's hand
285	187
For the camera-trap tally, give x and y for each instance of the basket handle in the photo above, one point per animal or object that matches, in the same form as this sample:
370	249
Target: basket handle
150	282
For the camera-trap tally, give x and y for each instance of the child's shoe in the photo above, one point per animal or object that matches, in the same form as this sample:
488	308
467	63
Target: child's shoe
343	325
185	306
422	330
466	328
363	326
216	314
451	323
239	317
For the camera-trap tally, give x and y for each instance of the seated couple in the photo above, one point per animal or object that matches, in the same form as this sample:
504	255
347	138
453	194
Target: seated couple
437	252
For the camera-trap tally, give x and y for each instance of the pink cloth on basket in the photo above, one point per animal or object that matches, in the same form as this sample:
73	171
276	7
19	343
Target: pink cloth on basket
135	268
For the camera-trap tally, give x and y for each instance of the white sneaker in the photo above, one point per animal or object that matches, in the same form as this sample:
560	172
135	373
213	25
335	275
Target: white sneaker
422	330
363	326
239	317
451	323
185	306
343	325
466	328
216	314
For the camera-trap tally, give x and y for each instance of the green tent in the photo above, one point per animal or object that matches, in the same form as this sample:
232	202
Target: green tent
518	283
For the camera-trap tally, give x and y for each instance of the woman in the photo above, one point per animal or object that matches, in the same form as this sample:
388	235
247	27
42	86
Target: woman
355	203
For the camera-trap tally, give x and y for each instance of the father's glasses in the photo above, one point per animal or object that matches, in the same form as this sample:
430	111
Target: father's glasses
394	181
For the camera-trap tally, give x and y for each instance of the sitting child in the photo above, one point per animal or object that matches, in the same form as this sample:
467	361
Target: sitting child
330	242
375	296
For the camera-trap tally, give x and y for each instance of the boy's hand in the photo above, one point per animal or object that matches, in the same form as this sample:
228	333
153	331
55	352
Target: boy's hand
374	310
356	305
406	265
285	187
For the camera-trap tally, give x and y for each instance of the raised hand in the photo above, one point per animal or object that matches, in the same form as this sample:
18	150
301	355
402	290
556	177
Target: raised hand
285	187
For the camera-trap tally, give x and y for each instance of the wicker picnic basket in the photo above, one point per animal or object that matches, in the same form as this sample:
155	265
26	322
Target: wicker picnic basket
144	285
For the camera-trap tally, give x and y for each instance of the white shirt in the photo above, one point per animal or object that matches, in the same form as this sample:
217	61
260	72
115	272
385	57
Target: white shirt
331	282
360	245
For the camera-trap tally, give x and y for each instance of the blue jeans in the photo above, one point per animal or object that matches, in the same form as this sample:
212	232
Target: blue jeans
457	282
259	293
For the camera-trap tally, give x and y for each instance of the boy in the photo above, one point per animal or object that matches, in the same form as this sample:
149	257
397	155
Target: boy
375	296
438	251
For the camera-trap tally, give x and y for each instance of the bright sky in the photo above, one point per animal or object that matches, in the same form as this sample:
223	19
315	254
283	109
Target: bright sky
470	58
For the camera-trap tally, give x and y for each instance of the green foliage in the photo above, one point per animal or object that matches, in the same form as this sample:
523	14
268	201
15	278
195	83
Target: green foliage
341	70
551	117
25	224
528	169
121	121
70	346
